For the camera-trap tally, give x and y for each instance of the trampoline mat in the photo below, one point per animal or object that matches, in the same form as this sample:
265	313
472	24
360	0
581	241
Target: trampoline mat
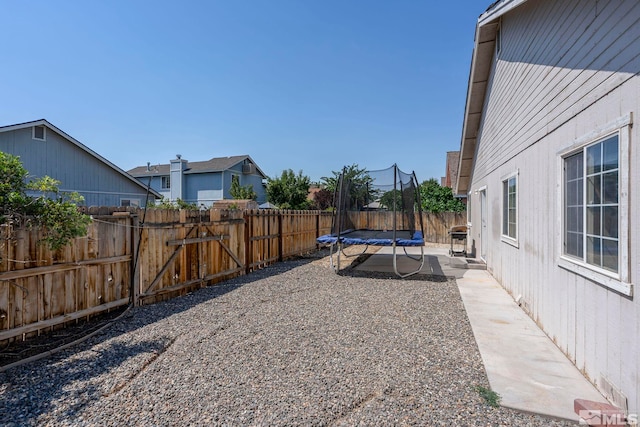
375	237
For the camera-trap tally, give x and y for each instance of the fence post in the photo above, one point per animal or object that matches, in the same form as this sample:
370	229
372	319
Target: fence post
280	237
135	253
248	255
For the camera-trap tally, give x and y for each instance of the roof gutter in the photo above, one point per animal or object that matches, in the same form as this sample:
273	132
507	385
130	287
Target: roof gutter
498	9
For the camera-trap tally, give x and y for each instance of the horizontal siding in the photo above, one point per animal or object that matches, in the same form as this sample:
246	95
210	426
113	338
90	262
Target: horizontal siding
566	69
556	60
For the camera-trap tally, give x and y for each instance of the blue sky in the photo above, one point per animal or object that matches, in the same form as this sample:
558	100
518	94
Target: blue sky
296	84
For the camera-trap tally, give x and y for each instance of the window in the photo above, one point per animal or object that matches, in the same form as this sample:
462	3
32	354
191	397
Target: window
510	207
593	213
591	204
130	202
236	179
39	133
166	182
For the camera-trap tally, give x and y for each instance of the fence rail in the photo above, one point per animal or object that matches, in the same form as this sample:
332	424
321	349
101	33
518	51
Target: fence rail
135	257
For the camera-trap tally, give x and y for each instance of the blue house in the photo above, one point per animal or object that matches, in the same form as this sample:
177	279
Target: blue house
46	150
202	183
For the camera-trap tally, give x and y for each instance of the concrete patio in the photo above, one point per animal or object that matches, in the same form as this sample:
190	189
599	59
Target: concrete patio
523	365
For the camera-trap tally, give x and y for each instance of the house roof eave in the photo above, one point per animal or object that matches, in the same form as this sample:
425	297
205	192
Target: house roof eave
497	9
206	166
43	122
481	64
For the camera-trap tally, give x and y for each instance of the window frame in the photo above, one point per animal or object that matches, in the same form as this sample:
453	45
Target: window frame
165	182
506	238
132	202
468	208
617	281
44	133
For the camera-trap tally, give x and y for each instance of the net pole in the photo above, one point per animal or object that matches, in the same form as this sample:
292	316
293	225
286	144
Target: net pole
419	202
395	194
341	205
336	207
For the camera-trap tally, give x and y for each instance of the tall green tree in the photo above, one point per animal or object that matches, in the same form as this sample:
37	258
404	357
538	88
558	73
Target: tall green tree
360	181
392	198
240	192
436	198
289	191
39	203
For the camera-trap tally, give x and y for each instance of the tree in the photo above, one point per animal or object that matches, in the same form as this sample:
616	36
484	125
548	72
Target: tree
54	212
436	198
242	192
289	191
387	200
323	199
360	190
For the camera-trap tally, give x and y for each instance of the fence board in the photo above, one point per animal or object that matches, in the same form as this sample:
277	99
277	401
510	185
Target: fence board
42	287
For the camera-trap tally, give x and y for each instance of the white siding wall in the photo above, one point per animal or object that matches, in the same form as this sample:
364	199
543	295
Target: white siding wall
565	69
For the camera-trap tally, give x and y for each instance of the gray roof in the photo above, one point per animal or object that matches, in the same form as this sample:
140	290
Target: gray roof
216	164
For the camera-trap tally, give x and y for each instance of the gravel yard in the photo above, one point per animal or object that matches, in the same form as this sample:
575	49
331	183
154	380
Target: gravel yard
293	344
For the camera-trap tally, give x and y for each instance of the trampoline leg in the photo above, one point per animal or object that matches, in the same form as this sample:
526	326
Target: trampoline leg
411	273
335	248
331	252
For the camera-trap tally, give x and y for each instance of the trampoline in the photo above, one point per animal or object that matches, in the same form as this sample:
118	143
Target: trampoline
392	222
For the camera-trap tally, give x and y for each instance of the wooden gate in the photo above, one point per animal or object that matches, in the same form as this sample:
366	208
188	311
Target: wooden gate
183	250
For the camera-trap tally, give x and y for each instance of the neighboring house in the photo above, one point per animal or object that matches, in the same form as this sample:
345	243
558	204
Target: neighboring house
451	174
313	190
550	163
46	150
202	183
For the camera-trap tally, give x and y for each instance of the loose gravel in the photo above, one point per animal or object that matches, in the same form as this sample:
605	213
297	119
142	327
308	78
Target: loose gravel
293	344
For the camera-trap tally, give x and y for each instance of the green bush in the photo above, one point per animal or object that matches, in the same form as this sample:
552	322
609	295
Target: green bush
39	203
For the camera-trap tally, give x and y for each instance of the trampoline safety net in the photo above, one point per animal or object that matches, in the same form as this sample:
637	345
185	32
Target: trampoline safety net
378	190
379	207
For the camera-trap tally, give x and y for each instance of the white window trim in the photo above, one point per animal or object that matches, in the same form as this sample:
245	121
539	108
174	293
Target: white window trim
44	133
469	196
618	282
503	237
132	202
163	181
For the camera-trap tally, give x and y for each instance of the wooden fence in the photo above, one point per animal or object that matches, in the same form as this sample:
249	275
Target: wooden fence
139	257
436	226
40	288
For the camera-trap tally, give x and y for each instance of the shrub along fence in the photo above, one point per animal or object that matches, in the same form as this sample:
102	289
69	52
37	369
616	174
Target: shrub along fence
132	256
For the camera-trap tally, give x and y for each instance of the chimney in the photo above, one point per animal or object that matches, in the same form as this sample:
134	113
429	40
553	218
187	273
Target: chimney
177	167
